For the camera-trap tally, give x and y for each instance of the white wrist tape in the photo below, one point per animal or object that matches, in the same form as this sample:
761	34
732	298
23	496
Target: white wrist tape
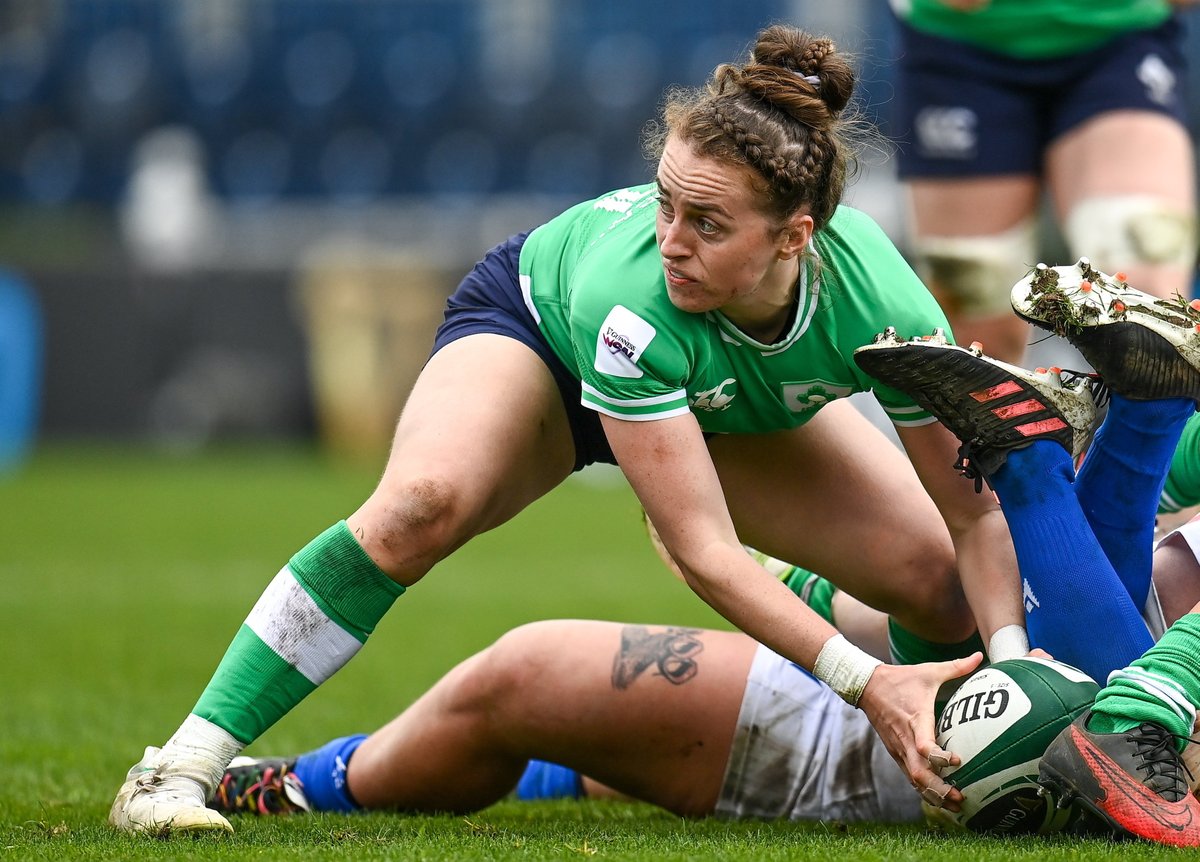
845	668
1008	642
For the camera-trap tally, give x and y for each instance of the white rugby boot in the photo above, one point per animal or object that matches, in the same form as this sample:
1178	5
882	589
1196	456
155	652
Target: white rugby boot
1143	347
164	798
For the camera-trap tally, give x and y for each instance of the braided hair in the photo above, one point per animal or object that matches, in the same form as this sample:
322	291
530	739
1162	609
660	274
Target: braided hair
780	114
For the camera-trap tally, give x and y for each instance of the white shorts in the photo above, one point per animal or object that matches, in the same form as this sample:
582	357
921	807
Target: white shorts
802	753
1189	533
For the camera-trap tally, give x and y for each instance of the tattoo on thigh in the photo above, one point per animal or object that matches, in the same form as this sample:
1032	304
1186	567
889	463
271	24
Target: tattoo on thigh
672	652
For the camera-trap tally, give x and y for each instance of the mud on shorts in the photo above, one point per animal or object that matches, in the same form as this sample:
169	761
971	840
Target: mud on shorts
489	300
802	753
963	111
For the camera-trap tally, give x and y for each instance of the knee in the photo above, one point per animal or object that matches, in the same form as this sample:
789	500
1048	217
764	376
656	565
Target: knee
936	588
973	275
494	683
1122	231
410	525
930	600
521	657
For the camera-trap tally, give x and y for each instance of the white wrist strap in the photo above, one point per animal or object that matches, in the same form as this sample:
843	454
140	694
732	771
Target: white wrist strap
1008	642
845	668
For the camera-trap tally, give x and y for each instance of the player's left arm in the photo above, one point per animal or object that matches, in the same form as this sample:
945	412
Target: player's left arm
987	562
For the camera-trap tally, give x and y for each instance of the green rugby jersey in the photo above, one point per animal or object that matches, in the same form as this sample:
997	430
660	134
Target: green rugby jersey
594	281
1034	28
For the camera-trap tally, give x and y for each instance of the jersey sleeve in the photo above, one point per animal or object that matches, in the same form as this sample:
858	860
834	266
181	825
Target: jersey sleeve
630	366
876	288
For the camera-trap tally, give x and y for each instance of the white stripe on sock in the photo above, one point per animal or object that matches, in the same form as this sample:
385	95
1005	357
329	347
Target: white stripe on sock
1160	687
290	623
1167	503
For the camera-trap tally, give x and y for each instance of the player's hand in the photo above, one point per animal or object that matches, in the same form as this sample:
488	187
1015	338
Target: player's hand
1038	652
899	702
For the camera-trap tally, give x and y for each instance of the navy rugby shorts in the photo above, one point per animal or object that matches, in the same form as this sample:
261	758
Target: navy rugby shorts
961	111
489	300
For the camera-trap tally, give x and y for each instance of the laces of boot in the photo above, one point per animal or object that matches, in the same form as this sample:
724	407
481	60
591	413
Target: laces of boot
243	789
1161	760
965	465
1100	391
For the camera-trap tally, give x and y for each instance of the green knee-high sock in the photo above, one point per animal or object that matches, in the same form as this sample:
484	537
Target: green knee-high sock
908	648
1183	479
816	592
1163	686
309	622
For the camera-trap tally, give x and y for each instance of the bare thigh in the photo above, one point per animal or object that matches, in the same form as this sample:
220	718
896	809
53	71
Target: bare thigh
1136	153
1176	578
956	208
1122	152
838	497
649	711
483	434
971	208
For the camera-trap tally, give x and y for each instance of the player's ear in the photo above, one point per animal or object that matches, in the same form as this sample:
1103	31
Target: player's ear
795	236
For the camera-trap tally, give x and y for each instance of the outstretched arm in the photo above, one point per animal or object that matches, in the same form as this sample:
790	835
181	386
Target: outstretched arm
863	625
667	463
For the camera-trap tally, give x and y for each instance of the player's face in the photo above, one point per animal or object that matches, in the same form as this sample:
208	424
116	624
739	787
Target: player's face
719	249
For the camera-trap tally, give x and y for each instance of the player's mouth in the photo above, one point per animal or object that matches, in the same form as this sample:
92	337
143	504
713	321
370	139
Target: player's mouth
675	278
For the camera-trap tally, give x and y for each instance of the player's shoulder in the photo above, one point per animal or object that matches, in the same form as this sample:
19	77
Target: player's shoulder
587	223
855	224
867	281
856	253
611	217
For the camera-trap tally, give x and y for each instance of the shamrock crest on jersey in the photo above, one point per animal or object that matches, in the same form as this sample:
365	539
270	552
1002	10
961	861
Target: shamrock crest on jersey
812	394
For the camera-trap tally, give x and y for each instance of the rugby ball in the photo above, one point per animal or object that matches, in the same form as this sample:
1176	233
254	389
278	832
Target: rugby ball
1000	722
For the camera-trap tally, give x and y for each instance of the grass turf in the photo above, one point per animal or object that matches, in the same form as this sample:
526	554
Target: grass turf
126	573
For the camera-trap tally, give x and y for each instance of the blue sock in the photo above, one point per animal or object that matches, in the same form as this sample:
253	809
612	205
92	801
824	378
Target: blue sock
1076	607
323	773
544	780
1122	479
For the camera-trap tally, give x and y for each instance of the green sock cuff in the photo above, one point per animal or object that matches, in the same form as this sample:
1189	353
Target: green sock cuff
908	648
344	581
1103	722
1172	667
1182	488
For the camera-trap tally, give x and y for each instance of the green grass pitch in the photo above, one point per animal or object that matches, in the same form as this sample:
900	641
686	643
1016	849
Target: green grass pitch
124	575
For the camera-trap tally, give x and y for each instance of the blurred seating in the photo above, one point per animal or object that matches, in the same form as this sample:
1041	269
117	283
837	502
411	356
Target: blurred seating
352	101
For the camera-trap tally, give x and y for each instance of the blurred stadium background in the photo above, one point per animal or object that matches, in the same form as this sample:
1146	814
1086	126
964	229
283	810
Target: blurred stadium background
238	218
